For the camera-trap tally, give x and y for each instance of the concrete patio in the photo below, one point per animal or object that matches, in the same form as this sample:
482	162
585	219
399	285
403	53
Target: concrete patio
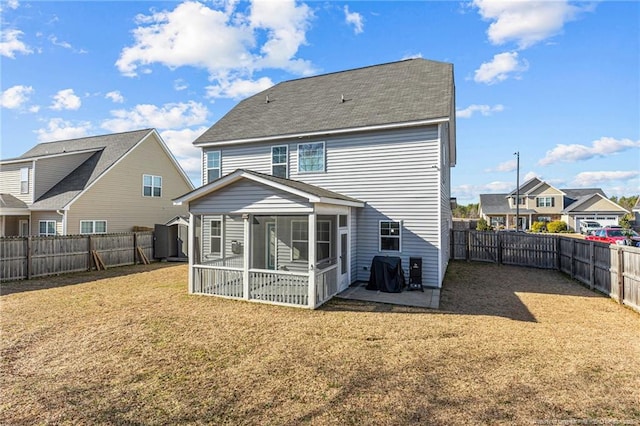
429	298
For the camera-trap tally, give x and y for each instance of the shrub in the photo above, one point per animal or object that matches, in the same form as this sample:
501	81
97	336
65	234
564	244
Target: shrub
538	226
556	226
483	225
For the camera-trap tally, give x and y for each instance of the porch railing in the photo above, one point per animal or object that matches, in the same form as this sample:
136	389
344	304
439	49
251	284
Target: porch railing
280	287
218	281
228	262
284	287
326	284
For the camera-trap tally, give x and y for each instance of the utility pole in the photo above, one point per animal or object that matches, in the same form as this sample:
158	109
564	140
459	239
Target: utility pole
517	154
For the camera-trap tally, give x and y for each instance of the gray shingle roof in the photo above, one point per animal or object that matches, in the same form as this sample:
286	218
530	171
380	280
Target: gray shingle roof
301	186
8	201
397	92
109	149
499	203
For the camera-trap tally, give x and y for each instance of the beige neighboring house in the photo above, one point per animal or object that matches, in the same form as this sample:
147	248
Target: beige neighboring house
541	202
100	184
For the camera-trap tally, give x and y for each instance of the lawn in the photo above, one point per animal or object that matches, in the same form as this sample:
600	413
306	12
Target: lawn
130	346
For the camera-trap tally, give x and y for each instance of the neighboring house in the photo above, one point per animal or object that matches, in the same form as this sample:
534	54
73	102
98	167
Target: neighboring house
636	213
306	182
541	202
100	184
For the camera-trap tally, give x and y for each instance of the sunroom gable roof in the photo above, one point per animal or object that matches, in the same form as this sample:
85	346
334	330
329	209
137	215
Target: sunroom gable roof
312	193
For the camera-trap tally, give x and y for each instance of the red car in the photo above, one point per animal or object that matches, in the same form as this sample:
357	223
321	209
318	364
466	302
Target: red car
624	237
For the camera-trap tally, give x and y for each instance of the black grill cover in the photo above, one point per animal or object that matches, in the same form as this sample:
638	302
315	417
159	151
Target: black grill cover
386	274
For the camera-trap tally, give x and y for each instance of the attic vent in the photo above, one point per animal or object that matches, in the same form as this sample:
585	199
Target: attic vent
267	100
342	98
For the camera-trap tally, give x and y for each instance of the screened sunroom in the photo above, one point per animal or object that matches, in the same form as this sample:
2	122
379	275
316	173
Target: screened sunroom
266	239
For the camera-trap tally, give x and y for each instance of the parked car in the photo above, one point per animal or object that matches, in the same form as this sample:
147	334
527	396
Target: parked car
588	226
625	237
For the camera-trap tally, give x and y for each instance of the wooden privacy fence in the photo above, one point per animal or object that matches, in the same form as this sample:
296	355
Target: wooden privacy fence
40	256
611	269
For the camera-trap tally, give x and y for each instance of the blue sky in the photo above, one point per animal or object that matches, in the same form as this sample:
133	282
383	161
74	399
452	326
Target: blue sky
557	81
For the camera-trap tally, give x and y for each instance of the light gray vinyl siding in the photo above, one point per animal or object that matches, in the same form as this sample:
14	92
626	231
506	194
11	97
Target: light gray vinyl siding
238	198
10	180
394	172
50	171
445	200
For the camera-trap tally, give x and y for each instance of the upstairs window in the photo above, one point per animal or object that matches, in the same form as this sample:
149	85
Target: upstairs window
390	236
47	227
311	157
545	202
279	161
93	226
213	165
151	186
24	180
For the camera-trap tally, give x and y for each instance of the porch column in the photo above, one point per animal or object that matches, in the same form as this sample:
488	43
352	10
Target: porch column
246	218
191	249
312	260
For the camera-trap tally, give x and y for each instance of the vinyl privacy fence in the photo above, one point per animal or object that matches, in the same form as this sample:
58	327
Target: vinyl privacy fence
611	269
40	256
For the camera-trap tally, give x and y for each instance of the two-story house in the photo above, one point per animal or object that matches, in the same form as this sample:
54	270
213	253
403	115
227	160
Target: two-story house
538	201
100	184
306	182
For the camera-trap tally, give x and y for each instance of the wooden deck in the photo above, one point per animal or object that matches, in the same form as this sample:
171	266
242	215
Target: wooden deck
430	298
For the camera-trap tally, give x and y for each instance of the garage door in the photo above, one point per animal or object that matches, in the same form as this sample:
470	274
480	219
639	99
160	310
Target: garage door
602	220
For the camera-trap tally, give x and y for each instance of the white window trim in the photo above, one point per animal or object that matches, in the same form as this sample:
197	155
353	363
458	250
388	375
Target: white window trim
152	186
380	236
93	227
24	178
221	237
549	201
55	227
286	161
299	241
207	168
318	241
324	159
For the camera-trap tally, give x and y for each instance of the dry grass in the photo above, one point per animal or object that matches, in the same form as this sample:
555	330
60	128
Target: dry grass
510	345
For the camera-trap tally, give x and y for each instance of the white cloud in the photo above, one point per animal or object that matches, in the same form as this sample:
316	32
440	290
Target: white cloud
526	22
355	19
412	56
531	175
115	96
500	68
588	179
179	84
168	116
59	129
15	97
65	99
229	43
602	147
64	44
180	143
10	43
507	166
485	110
11	4
238	89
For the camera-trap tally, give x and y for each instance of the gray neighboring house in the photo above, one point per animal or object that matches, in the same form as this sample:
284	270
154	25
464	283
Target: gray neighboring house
636	214
99	184
541	202
306	182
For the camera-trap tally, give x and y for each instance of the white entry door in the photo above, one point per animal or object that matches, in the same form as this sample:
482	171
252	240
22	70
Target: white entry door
343	258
